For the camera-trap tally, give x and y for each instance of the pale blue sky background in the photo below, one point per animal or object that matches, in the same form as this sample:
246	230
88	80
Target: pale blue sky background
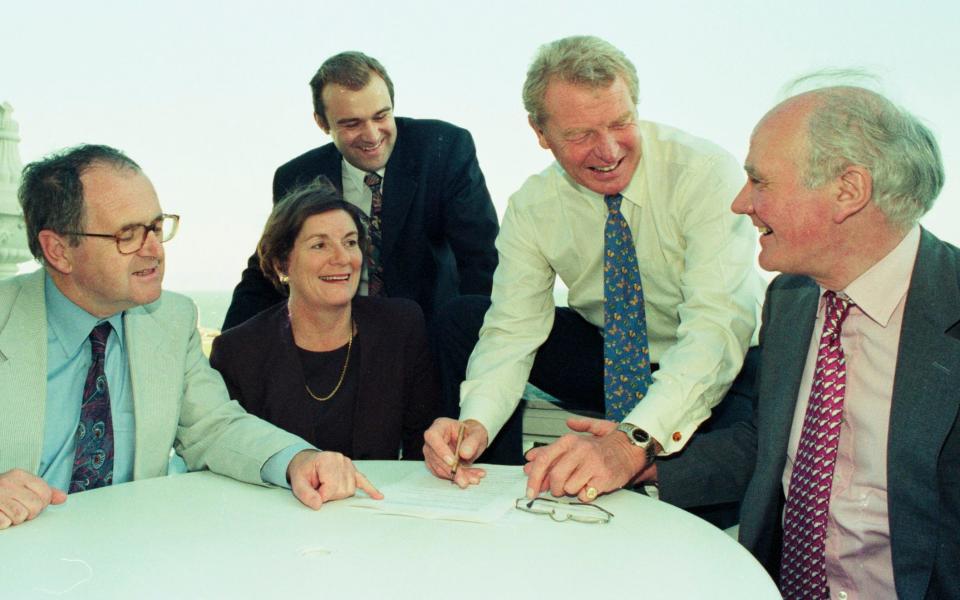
210	97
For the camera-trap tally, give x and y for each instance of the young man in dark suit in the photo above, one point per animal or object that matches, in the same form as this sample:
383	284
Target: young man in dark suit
432	221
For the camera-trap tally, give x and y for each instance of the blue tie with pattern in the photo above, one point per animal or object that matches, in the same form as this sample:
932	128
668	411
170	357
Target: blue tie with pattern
93	463
626	356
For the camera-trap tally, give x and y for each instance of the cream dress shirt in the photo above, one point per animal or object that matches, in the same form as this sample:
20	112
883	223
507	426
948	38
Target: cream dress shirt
697	264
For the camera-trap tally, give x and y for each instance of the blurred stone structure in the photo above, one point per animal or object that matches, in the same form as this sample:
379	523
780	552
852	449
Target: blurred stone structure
13	238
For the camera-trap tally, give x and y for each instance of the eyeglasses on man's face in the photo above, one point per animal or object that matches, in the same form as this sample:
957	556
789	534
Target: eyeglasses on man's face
564	510
131	238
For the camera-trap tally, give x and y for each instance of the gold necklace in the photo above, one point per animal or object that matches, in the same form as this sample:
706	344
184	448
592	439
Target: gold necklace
343	373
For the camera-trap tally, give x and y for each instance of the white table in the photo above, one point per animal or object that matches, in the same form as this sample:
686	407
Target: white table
201	535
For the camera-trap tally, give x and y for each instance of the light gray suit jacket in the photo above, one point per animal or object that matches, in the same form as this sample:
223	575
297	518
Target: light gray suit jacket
923	460
179	401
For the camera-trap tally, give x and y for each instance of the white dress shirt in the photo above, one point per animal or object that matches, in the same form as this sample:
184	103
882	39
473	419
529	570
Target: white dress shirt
696	258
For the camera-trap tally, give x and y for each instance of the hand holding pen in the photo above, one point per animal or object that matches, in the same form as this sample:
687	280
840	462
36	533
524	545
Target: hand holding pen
456	453
450	447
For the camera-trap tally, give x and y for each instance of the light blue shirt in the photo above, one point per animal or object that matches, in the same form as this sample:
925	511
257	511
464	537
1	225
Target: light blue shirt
68	359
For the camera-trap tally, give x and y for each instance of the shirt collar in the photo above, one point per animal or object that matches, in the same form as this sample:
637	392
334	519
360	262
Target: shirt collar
70	324
356	175
634	192
879	290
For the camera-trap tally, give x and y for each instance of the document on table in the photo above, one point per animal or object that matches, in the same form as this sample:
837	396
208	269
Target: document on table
420	494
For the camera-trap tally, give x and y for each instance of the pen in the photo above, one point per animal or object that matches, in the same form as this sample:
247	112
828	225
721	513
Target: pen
456	458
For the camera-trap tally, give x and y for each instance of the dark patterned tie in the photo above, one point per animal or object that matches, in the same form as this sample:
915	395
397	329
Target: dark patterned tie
93	465
803	572
374	266
626	357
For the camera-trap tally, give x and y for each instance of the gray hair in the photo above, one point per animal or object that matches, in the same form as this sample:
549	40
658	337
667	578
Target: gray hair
51	193
582	60
855	126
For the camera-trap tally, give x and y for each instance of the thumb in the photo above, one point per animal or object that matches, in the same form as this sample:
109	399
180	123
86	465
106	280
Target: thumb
57	496
306	494
473	444
597	427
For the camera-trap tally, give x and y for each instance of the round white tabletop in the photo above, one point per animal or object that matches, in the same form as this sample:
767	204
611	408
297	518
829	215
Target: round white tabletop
201	535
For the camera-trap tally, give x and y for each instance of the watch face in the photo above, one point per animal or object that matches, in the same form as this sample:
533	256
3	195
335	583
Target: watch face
641	436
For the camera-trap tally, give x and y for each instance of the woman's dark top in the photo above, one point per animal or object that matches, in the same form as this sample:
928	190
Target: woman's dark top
393	390
333	418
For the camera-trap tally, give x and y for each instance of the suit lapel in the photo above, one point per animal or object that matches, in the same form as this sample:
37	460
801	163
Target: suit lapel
23	370
329	164
786	342
923	410
789	316
400	188
150	367
283	360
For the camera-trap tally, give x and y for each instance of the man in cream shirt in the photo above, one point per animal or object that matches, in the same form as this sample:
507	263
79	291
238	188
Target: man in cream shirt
700	290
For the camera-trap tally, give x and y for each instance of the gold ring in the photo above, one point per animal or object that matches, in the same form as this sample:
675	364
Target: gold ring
591	493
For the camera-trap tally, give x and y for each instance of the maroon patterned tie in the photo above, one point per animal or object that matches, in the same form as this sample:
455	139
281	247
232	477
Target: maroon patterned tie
374	266
803	571
93	462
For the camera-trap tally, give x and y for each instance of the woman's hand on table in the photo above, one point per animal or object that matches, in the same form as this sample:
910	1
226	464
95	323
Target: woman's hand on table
440	447
318	476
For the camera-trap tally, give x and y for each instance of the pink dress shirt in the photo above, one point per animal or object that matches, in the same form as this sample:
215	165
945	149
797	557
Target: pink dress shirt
859	564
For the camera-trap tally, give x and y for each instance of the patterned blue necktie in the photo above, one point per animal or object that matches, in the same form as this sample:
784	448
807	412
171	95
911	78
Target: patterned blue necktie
93	464
374	266
626	356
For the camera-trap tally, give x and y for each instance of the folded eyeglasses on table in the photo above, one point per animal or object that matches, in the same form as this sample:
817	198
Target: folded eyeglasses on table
564	510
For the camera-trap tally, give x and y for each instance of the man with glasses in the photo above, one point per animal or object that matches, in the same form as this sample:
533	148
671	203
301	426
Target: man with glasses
132	238
101	372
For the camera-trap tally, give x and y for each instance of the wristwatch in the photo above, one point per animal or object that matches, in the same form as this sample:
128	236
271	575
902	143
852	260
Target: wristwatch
639	437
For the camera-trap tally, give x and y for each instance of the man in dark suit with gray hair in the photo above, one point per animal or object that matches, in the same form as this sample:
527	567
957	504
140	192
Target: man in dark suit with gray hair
850	470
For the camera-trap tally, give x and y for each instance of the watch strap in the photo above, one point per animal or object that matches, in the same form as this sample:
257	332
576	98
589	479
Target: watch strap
649	447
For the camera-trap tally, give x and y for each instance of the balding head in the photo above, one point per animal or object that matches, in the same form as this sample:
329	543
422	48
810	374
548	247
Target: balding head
847	126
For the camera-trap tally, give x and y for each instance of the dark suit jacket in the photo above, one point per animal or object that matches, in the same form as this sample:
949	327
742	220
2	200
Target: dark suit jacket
438	221
923	469
398	394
